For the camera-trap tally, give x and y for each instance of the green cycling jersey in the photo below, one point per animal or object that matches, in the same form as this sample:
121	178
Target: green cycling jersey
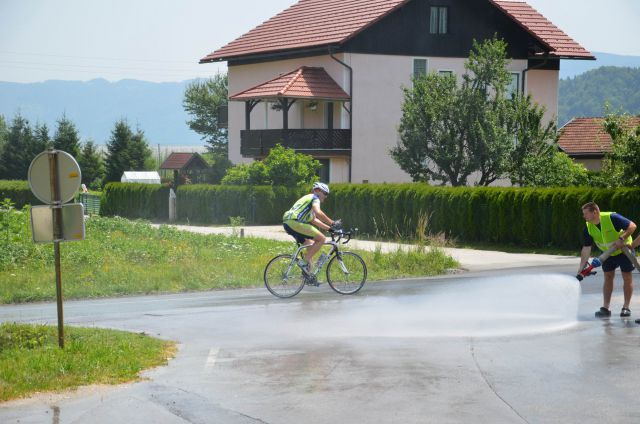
302	210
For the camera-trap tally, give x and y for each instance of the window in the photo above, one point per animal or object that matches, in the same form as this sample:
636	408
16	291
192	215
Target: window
419	67
443	72
323	172
438	20
514	86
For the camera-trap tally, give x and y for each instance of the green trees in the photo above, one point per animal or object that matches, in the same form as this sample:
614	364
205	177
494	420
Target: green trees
282	167
66	137
20	143
3	132
92	165
622	165
202	100
586	94
450	131
18	150
126	151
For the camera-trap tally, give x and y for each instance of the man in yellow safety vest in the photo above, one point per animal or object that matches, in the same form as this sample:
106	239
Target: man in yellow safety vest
608	229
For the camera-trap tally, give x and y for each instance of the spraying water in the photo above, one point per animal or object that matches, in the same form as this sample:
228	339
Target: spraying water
482	307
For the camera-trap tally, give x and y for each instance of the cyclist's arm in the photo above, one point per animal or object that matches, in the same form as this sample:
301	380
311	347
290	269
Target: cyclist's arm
321	220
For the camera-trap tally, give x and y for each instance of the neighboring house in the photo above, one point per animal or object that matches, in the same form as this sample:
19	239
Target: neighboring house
189	167
586	142
326	76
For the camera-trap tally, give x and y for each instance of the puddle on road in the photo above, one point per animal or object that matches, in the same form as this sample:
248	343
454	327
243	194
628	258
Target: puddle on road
482	307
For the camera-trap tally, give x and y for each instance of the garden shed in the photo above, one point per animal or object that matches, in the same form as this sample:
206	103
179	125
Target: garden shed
144	177
186	167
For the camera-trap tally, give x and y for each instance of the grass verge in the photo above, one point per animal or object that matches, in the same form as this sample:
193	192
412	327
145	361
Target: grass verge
31	361
122	257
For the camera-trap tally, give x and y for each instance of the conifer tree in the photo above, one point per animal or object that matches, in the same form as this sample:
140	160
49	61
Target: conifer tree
91	164
117	160
15	157
139	152
66	137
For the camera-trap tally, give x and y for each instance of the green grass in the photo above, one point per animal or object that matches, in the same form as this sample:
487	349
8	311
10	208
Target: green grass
31	361
122	257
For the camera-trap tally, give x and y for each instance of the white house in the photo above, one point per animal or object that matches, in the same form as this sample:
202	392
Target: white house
326	76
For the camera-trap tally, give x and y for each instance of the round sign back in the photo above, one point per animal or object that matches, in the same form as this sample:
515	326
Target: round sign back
69	177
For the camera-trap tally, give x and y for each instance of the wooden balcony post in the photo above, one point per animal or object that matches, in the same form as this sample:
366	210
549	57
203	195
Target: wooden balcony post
248	107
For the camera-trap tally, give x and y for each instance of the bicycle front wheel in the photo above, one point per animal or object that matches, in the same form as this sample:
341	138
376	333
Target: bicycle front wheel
283	277
346	273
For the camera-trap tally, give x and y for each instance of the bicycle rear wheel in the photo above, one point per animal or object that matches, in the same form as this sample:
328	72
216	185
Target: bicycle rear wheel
346	273
283	277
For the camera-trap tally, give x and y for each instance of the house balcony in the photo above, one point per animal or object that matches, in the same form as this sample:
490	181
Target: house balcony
315	142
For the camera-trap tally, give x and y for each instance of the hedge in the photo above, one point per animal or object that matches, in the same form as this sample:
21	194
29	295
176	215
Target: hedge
517	216
215	204
135	200
19	193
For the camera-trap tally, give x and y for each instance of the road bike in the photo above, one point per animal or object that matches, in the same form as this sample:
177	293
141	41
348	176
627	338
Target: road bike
286	274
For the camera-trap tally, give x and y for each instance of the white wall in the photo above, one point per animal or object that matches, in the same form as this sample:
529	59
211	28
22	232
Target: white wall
543	85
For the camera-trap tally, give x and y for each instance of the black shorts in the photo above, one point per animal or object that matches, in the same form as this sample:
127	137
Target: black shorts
300	238
614	262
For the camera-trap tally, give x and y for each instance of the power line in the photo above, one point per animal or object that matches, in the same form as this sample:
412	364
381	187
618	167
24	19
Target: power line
96	66
185	61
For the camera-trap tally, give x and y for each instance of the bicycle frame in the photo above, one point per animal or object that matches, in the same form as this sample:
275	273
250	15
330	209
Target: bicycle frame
335	250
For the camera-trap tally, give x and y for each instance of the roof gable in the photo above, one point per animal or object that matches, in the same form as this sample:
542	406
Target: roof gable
314	24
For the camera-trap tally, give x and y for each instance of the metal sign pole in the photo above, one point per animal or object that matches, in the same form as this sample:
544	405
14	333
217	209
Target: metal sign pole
57	236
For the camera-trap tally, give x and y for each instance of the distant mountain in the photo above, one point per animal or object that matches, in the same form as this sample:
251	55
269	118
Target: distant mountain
586	94
94	106
572	68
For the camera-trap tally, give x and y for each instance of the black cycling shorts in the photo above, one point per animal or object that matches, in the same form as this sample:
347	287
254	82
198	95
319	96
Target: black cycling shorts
614	262
300	238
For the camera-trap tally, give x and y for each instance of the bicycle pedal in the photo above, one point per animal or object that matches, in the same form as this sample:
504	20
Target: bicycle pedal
312	281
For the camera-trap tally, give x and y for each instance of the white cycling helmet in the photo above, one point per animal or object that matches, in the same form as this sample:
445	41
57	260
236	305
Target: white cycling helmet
322	187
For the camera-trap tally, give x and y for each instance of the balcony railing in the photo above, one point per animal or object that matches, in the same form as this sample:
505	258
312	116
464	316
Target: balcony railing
257	143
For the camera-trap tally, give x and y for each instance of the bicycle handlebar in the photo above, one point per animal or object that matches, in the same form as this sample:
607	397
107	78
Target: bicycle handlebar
337	235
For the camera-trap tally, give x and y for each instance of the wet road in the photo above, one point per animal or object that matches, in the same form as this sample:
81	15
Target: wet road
516	346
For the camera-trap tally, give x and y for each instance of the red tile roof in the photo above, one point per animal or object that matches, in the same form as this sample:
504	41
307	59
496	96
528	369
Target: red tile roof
178	160
308	23
586	136
559	43
318	23
303	83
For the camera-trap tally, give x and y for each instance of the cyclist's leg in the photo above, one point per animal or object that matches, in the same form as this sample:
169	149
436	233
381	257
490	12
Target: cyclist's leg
311	235
318	242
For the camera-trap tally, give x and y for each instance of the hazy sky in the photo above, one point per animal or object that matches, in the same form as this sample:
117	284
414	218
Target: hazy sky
162	40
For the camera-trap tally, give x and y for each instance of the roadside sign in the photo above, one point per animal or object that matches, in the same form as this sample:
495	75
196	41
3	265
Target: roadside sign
72	223
54	178
69	177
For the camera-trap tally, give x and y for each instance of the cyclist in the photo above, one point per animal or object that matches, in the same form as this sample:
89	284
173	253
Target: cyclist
305	217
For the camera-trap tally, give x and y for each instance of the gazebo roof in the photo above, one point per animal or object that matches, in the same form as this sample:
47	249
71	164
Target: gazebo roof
183	161
303	83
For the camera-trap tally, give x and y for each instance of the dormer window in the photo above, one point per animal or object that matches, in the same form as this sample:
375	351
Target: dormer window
438	20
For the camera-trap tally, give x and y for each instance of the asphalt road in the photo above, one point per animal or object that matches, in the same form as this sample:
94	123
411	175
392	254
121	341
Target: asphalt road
514	346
